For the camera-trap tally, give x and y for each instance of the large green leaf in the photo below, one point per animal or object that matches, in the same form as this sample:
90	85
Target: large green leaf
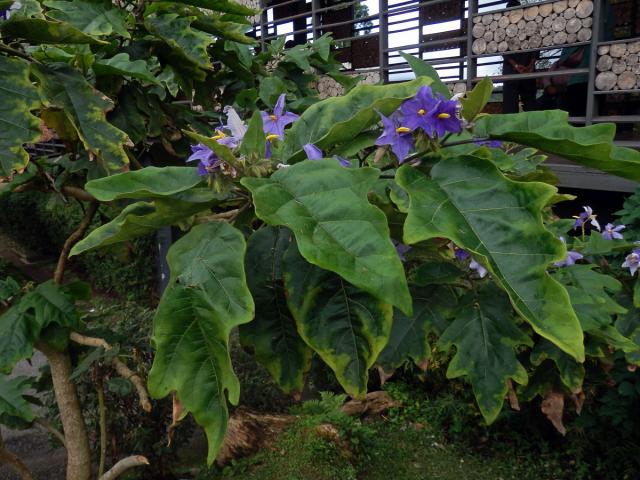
485	334
18	333
50	303
499	221
423	69
21	325
335	226
272	334
206	298
549	131
148	182
86	108
226	30
340	119
590	293
12	401
571	372
136	220
226	6
176	32
347	327
409	335
120	64
39	30
18	98
93	17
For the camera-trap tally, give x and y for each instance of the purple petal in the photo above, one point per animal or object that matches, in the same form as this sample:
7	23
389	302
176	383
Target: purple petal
288	117
313	152
343	161
279	108
461	254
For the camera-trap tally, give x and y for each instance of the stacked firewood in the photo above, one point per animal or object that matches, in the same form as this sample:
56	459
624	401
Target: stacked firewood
618	66
544	25
328	87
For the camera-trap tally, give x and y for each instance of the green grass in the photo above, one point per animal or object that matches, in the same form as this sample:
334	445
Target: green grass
396	447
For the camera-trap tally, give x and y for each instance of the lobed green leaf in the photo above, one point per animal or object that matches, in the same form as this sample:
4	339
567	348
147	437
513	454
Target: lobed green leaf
347	327
272	334
485	334
206	298
326	207
18	97
591	146
468	200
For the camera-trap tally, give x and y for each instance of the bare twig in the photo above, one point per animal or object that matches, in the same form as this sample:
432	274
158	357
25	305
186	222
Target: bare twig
44	423
118	365
102	411
124	465
74	238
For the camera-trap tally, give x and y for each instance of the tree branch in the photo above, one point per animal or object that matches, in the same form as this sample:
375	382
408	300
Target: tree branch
77	192
44	423
124	465
118	365
103	427
74	238
75	431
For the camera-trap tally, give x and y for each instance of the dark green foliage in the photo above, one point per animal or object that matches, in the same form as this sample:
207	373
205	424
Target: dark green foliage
126	270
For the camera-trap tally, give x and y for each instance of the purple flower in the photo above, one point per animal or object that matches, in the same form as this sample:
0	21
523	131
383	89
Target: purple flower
416	110
488	143
396	135
474	265
611	232
444	118
461	254
570	259
401	248
275	122
632	261
208	161
313	152
586	216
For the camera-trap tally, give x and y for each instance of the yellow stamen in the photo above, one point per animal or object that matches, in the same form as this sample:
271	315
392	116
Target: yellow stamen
403	129
444	116
272	136
421	112
273	117
219	134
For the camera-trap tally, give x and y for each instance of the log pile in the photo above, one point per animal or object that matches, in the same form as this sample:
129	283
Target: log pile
328	87
545	25
618	66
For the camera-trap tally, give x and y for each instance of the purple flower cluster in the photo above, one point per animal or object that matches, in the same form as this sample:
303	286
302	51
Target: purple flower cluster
273	123
435	116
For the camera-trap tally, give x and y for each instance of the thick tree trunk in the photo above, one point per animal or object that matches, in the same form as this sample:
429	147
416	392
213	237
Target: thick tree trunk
75	432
